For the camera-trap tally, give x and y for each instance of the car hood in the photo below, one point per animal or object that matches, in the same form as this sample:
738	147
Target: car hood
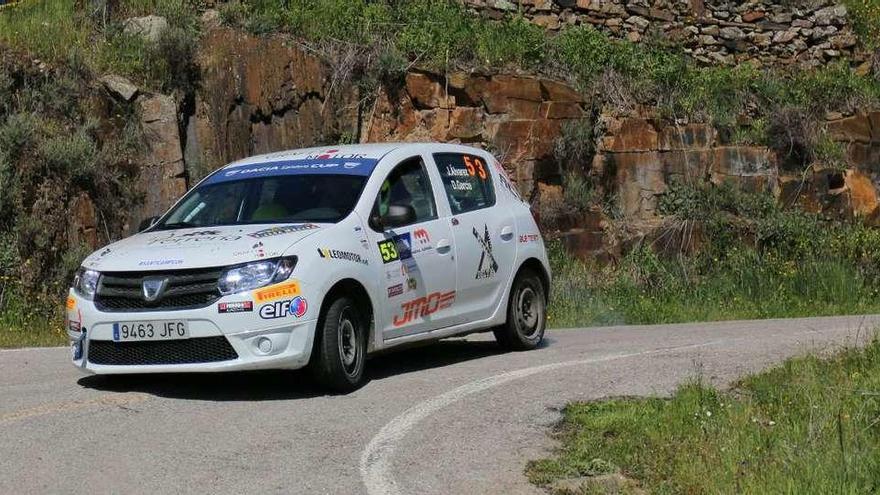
199	247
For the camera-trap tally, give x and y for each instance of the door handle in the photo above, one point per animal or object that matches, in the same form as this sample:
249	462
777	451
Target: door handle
443	246
507	233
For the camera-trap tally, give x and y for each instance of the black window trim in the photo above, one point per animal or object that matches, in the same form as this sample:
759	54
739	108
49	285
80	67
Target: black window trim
491	180
426	175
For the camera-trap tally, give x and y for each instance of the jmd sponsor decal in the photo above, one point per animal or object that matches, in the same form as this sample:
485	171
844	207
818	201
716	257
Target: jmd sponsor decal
424	306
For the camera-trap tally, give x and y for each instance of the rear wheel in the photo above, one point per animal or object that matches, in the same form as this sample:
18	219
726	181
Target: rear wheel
526	313
340	347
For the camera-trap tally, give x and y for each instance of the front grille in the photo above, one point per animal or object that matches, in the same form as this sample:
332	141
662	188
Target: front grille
189	351
187	289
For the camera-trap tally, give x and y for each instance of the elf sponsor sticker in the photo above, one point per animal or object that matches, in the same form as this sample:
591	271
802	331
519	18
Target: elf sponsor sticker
295	307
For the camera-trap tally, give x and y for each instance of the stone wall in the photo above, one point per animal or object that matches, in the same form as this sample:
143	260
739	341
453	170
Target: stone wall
809	33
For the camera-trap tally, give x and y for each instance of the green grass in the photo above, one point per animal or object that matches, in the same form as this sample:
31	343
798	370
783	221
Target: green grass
865	16
747	286
756	260
36	334
56	32
812	425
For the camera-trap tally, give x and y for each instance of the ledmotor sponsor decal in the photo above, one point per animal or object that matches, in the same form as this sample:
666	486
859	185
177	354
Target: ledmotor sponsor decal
286	229
342	255
295	307
487	267
271	293
528	238
424	306
235	307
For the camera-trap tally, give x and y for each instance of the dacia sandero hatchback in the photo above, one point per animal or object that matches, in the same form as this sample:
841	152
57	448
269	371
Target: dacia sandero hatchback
316	258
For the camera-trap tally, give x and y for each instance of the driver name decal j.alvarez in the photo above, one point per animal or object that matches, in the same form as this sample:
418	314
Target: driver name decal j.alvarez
424	306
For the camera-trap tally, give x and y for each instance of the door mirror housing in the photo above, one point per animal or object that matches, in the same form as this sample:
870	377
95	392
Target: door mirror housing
147	223
396	216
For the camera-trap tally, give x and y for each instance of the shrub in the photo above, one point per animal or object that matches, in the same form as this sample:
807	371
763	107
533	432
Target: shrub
516	42
865	16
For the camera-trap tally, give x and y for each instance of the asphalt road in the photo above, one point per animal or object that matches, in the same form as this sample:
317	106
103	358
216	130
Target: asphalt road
454	417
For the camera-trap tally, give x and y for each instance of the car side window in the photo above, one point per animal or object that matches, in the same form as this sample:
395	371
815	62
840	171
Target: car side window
467	181
407	185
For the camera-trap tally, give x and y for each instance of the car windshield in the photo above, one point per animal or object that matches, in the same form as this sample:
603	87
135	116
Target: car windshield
321	198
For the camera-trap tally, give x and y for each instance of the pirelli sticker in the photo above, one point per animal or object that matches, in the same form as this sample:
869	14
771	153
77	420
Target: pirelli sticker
275	292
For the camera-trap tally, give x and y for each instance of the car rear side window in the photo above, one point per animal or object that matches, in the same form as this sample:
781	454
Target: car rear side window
467	181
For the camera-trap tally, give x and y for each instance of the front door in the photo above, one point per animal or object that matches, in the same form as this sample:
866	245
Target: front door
483	234
418	272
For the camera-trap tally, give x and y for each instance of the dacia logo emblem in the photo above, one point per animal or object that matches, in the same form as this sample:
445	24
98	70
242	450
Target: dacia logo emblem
153	288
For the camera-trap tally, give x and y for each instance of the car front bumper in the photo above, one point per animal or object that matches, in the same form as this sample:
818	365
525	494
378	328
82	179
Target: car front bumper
217	342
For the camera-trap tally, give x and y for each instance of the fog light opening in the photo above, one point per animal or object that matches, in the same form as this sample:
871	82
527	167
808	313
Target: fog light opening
264	344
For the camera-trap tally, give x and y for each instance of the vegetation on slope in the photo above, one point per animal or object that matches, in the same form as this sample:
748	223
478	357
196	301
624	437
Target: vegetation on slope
385	38
755	259
811	425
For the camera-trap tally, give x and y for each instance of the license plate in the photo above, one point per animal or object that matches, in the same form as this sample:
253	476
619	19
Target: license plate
131	331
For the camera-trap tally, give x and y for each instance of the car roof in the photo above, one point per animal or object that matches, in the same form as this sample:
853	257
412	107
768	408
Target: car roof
352	159
372	151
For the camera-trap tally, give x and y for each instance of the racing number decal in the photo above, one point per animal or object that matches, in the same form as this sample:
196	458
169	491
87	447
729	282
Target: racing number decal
388	250
475	167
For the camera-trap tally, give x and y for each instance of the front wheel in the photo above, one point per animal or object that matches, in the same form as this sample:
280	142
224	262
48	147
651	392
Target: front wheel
526	313
340	346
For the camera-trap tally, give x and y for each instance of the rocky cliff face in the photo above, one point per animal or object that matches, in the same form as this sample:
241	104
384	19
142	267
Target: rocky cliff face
517	117
261	94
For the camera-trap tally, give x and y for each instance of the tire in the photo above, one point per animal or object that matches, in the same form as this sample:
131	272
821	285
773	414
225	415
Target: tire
526	313
340	349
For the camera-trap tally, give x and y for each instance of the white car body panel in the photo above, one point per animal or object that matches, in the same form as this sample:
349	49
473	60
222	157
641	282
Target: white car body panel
445	257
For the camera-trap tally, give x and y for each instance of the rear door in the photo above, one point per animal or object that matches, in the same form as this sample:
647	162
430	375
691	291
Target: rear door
418	272
482	232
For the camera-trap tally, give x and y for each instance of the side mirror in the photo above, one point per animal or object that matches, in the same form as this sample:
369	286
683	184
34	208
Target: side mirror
147	223
397	215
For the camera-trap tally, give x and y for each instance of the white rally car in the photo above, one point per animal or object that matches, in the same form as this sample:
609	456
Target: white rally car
316	257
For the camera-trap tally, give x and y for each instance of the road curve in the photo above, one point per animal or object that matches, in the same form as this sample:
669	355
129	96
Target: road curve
454	417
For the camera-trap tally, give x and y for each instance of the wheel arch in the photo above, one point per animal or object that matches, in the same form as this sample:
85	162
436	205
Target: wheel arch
539	268
361	295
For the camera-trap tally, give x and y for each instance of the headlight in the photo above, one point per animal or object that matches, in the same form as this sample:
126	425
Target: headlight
85	282
257	274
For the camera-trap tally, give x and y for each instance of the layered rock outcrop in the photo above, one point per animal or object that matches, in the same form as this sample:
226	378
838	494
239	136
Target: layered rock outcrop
261	94
518	117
